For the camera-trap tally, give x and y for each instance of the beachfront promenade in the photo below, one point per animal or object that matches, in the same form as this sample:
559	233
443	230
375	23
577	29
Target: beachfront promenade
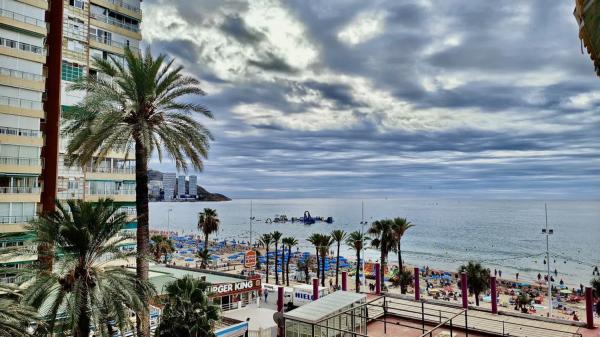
477	320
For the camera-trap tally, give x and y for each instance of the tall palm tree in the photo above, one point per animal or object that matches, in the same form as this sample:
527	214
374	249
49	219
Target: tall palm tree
478	278
403	279
208	223
204	256
276	235
267	240
290	242
315	240
161	246
325	243
357	240
188	311
139	108
338	236
383	239
401	225
82	290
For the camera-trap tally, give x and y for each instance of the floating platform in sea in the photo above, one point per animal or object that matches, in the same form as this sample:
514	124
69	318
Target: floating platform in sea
306	219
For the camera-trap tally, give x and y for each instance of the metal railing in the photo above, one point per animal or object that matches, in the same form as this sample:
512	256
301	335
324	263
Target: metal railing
20	103
115	192
21	161
5	130
111	42
19	190
115	22
126	6
22	46
21	74
9	219
23	18
128	210
126	170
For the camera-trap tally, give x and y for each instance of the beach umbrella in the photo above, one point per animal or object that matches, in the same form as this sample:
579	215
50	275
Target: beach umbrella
189	260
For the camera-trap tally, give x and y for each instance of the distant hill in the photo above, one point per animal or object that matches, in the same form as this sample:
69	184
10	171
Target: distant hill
203	194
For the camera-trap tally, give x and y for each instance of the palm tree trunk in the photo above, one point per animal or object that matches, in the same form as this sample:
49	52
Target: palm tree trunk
267	269
323	270
83	319
400	265
206	241
282	264
143	229
276	273
357	275
477	299
337	265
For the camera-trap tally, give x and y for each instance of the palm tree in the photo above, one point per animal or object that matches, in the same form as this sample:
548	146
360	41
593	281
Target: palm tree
403	279
188	311
204	256
82	290
282	260
266	240
314	239
276	235
356	240
290	242
138	109
208	223
338	236
382	230
161	246
401	225
325	243
478	278
595	283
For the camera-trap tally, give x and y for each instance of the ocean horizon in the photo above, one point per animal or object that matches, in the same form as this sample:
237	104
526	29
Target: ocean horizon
502	234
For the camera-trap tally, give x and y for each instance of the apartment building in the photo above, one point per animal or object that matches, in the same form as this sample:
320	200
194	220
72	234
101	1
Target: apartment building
192	186
181	193
23	32
169	181
97	29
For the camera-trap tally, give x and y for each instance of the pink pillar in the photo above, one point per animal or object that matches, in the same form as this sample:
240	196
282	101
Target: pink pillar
345	281
377	279
589	304
493	295
315	284
464	292
280	299
417	288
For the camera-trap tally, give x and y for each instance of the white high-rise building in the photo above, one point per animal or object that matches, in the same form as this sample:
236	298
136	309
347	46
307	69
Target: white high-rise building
169	185
193	189
181	192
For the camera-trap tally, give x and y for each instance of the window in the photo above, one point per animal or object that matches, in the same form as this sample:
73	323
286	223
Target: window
73	185
76	3
75	46
71	71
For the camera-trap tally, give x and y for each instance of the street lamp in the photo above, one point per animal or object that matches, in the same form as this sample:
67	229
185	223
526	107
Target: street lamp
169	222
363	223
548	231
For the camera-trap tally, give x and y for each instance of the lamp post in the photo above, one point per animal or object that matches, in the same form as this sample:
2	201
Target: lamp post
362	224
251	218
169	222
548	231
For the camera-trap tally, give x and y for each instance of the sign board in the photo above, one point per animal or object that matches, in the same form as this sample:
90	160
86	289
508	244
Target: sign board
231	287
250	259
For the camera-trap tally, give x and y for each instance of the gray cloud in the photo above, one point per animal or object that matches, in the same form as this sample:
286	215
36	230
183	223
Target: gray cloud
436	100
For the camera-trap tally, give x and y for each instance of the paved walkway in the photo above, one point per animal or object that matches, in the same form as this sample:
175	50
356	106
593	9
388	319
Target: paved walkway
480	321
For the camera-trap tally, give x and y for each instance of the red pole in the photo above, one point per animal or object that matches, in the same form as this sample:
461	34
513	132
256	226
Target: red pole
377	279
493	294
464	290
589	304
315	284
345	281
417	289
280	299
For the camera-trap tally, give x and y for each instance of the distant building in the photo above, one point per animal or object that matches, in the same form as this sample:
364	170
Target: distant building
192	187
181	193
154	187
168	181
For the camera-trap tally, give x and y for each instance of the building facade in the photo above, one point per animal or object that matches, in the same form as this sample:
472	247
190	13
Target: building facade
181	193
193	186
169	180
23	32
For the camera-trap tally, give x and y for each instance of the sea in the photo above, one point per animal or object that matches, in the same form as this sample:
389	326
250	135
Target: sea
504	235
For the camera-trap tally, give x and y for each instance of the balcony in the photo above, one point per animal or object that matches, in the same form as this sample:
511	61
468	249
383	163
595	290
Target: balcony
22	50
120	6
15	224
117	195
114	25
18	136
109	173
21	107
20	194
23	22
21	79
110	45
21	165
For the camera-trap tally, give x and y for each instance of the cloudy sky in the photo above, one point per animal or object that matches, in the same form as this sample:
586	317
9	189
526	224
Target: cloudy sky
355	98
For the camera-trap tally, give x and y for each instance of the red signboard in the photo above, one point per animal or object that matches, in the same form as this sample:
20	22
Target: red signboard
250	259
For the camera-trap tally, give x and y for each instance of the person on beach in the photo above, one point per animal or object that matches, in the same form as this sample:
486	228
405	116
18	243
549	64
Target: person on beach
517	276
495	272
266	295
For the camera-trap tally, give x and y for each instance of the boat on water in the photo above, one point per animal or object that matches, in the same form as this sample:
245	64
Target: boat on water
306	219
